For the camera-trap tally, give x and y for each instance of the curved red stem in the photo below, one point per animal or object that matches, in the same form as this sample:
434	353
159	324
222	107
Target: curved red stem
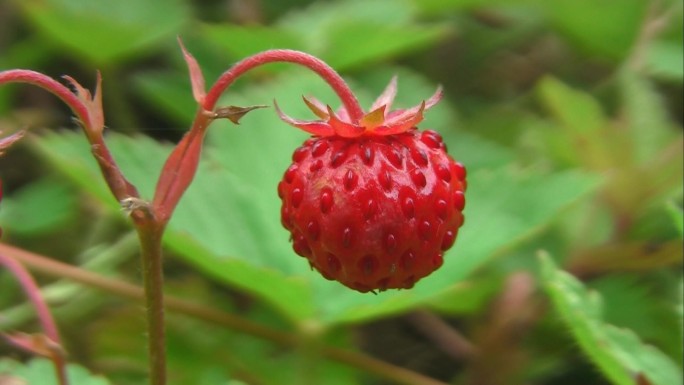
49	84
290	56
119	186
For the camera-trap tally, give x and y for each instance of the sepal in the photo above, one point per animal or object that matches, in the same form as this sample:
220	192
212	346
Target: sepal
92	103
196	77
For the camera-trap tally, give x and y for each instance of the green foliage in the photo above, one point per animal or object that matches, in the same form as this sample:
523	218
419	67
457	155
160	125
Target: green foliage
590	31
665	61
582	119
39	207
677	217
656	321
41	371
619	353
105	32
379	29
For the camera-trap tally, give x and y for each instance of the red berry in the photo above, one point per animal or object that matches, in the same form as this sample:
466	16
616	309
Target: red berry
374	211
372	225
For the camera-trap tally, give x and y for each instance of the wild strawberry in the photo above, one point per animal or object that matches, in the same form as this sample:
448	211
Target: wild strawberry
373	203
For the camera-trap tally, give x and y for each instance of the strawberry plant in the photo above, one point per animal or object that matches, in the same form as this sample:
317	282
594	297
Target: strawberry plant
337	239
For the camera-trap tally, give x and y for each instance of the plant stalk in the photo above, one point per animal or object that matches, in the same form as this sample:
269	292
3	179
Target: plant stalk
150	235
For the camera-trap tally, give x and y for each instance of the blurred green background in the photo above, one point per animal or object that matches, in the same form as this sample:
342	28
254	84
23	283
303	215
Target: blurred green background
567	113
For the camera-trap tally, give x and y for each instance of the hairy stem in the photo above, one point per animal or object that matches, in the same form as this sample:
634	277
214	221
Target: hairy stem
283	55
48	84
150	235
47	322
361	361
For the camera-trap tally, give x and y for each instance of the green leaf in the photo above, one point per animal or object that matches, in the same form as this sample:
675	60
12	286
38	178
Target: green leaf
468	297
504	207
38	208
106	31
438	7
584	23
27	53
577	110
170	93
619	353
377	30
665	60
352	43
288	294
677	215
647	117
140	157
241	41
656	321
582	119
310	22
41	371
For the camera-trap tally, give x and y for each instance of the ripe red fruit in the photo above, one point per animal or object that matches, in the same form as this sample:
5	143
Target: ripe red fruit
373	205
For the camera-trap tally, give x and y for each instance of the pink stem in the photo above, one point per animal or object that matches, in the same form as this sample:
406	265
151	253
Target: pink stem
283	55
33	293
49	84
119	186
